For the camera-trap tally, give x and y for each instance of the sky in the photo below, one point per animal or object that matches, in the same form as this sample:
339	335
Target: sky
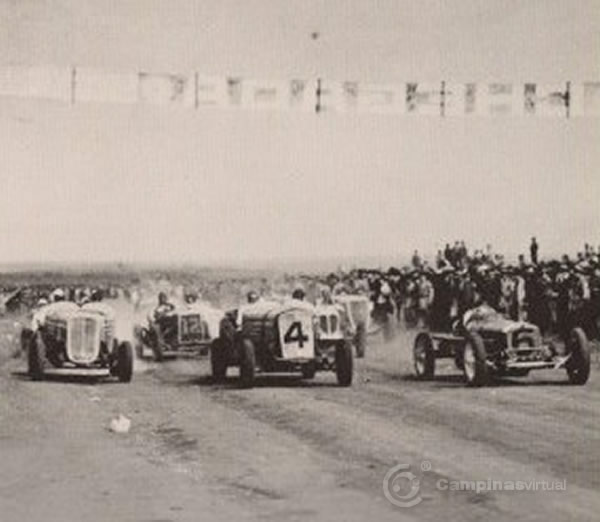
97	182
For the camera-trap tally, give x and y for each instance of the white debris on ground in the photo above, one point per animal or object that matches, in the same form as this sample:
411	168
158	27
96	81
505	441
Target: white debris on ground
120	424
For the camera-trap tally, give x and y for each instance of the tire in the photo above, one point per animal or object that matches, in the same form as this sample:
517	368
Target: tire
309	371
125	362
156	346
139	336
475	366
361	340
36	357
218	361
578	365
247	364
344	364
424	357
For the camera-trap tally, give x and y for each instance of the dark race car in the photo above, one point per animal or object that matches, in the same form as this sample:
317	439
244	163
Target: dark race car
485	344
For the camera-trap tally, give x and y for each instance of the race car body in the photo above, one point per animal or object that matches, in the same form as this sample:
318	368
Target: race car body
485	344
69	336
185	330
276	337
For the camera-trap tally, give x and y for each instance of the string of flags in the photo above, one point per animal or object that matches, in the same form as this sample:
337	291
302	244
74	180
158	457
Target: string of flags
75	85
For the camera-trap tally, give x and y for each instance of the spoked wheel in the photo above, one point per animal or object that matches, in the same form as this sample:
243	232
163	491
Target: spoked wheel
361	340
124	367
36	357
424	357
155	341
247	364
344	364
475	361
578	365
218	360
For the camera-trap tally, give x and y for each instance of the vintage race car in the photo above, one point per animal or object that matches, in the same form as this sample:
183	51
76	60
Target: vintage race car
485	344
81	338
185	330
276	337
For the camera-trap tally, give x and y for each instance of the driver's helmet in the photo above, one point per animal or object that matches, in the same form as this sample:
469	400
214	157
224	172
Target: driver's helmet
162	298
191	296
299	294
252	296
57	295
97	295
326	296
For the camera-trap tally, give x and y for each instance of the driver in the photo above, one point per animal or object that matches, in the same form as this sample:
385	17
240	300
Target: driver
252	298
57	302
164	307
479	313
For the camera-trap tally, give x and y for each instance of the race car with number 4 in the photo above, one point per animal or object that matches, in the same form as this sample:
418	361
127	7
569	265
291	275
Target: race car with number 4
275	338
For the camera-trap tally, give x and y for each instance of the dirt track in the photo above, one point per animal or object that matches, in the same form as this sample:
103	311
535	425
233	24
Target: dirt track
291	449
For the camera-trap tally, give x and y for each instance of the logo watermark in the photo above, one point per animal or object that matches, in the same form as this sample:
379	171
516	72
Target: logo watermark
402	487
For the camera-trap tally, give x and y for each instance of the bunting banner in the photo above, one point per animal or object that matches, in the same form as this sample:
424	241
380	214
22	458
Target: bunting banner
498	99
167	89
49	83
193	90
234	91
265	95
211	91
373	98
424	99
331	96
302	95
93	85
591	99
546	100
459	99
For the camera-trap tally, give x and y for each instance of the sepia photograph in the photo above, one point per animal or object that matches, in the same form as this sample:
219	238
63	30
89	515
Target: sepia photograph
299	260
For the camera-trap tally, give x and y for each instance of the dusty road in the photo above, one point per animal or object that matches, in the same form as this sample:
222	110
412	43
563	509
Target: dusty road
295	450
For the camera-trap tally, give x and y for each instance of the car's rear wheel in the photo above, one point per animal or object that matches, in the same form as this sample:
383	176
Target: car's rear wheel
36	357
475	366
424	357
578	365
155	343
125	361
247	363
309	371
218	360
139	336
344	364
361	340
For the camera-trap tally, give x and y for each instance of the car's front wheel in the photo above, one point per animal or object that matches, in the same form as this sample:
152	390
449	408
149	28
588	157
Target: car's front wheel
361	340
424	357
218	360
344	364
578	365
247	363
36	357
125	361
